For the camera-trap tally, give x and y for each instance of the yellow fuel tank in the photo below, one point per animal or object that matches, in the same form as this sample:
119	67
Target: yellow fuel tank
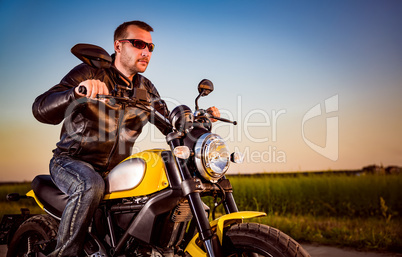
140	174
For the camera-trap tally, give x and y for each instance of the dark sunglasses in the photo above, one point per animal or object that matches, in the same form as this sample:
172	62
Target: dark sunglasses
137	43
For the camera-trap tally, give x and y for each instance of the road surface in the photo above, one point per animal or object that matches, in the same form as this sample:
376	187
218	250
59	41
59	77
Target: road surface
315	251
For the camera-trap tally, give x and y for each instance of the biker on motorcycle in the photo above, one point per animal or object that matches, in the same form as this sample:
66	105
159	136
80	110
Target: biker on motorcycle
97	134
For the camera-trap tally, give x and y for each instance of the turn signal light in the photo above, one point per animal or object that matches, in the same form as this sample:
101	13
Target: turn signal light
182	152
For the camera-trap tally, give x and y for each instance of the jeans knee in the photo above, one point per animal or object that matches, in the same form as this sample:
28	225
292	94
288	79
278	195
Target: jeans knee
95	187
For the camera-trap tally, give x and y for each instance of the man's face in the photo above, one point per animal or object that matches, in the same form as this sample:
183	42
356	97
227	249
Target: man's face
133	60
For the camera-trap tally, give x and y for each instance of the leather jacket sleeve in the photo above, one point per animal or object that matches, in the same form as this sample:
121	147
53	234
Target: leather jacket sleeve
50	107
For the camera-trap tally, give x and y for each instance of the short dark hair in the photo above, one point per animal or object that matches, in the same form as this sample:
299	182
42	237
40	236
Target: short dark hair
121	31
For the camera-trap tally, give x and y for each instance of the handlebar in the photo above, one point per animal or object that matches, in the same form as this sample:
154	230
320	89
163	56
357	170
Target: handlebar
140	104
82	90
148	107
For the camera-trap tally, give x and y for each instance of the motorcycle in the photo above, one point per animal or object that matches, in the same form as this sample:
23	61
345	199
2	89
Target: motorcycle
154	200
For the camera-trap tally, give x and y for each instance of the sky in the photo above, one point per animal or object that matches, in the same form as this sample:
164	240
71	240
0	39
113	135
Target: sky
313	85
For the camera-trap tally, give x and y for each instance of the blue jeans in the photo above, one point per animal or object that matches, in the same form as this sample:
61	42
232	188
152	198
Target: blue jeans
85	188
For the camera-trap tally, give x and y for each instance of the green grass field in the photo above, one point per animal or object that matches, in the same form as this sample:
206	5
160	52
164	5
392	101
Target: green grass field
324	195
341	209
364	212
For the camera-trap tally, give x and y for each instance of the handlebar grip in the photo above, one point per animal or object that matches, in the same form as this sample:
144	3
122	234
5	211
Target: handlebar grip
82	90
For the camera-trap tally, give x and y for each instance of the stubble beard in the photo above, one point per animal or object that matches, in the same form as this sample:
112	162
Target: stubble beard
131	64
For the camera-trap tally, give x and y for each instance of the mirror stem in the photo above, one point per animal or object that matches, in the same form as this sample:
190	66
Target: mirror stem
196	100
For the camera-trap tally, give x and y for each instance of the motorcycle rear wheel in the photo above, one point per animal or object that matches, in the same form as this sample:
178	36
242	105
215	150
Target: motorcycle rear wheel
252	239
35	229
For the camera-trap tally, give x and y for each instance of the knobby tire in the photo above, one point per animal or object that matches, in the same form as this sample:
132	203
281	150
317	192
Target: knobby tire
37	228
252	239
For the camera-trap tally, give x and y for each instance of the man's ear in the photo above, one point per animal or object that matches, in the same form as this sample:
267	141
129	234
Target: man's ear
117	46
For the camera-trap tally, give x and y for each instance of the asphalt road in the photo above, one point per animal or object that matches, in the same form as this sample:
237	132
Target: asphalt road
315	251
326	251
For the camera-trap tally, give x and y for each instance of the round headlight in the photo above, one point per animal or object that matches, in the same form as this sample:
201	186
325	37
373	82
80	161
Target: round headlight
212	156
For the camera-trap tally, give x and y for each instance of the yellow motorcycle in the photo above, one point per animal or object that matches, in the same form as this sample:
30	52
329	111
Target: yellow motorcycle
153	204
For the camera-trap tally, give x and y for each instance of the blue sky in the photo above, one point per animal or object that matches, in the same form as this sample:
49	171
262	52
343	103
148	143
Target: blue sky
265	58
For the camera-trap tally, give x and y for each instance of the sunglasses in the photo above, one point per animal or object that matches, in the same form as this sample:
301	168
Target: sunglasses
137	43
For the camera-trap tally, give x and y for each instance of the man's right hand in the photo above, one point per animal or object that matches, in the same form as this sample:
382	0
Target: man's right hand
93	88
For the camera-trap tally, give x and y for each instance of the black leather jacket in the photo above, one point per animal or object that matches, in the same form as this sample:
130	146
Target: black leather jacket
98	132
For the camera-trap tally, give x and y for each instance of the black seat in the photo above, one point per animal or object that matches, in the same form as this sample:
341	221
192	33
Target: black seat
53	200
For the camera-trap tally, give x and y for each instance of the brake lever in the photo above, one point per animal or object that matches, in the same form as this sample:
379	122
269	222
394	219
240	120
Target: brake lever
222	119
200	113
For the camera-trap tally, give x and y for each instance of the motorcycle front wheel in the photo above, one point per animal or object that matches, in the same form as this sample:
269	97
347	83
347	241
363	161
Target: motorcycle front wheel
35	229
252	239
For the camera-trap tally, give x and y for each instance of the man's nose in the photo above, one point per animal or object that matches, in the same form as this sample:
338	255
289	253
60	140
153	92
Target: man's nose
145	52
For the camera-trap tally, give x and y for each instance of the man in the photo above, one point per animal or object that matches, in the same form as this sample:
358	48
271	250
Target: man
96	135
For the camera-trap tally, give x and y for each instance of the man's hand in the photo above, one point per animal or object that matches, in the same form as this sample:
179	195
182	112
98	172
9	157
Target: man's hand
214	112
93	87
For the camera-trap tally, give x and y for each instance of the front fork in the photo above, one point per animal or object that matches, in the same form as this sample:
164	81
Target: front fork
210	240
191	189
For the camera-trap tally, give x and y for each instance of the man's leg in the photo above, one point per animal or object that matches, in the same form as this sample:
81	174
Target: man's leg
85	187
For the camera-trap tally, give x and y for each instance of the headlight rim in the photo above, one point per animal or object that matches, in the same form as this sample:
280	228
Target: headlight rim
204	169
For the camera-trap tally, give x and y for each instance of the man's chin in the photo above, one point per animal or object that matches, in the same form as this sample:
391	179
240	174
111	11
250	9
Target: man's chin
141	69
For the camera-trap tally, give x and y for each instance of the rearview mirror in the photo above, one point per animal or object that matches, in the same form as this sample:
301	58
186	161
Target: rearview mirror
205	87
92	55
